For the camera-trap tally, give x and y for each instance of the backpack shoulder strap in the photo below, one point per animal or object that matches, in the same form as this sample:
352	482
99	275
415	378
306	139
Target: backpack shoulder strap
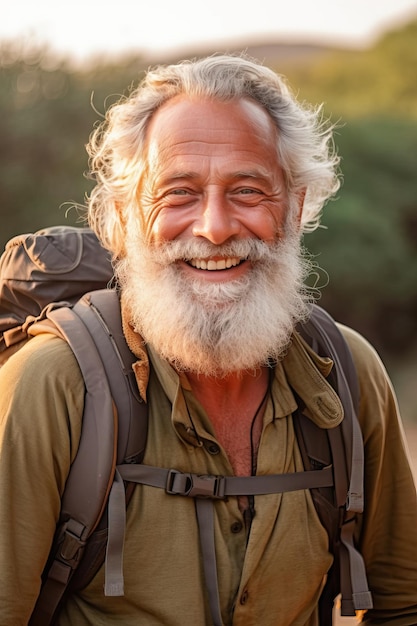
114	429
100	312
343	447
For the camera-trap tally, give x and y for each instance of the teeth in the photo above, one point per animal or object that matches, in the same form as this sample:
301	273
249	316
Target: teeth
211	265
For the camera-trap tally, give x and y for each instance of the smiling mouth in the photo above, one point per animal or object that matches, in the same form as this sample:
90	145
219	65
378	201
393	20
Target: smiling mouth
216	265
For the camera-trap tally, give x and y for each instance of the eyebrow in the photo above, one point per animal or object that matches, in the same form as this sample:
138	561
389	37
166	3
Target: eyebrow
260	174
179	176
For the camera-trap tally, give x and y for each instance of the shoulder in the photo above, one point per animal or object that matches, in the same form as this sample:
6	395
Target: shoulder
44	375
365	356
360	347
378	404
43	357
41	408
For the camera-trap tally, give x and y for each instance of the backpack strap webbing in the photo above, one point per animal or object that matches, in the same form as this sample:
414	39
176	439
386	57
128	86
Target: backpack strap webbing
348	574
206	489
79	513
114	414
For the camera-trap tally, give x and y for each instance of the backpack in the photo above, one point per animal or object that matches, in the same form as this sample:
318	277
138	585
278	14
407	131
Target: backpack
55	264
60	264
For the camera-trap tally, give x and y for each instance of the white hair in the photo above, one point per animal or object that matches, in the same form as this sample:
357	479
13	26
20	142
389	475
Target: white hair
117	147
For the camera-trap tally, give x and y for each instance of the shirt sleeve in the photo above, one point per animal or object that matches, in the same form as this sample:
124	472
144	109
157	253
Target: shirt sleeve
387	530
41	404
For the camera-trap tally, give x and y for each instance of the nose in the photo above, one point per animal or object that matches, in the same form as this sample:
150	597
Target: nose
216	222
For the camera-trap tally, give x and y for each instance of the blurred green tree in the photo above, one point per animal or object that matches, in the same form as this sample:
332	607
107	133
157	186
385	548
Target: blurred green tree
369	245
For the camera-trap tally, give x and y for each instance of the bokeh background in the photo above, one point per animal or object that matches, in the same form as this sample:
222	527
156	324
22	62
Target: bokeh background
61	66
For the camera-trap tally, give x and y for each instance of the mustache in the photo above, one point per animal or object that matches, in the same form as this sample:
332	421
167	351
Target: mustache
251	249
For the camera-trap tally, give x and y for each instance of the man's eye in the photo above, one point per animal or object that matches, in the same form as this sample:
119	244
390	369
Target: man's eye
247	191
179	196
178	192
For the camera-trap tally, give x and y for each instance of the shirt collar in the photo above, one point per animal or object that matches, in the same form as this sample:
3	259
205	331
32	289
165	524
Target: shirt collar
306	374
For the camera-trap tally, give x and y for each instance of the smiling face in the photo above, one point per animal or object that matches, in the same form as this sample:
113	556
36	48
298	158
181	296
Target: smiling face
213	175
213	272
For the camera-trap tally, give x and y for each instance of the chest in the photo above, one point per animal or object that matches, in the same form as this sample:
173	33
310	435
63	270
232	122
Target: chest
239	434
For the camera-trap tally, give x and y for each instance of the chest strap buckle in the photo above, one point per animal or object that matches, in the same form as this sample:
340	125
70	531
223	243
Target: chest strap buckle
195	485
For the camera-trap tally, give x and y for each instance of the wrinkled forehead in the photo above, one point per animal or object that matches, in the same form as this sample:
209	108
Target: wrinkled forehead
205	121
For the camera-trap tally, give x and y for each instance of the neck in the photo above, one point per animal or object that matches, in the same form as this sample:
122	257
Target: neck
235	407
229	390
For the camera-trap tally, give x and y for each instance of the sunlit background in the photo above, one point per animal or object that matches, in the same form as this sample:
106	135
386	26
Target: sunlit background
81	30
61	64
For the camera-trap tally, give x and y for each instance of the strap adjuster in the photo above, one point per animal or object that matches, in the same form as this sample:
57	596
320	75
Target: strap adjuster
72	545
195	485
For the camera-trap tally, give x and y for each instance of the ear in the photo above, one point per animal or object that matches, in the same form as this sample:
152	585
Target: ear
299	198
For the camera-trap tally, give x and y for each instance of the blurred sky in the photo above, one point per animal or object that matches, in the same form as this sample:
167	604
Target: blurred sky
85	28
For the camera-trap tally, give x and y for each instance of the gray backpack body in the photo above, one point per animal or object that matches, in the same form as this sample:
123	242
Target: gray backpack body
61	264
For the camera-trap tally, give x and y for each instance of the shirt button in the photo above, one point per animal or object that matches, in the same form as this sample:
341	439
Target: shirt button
244	597
212	448
236	527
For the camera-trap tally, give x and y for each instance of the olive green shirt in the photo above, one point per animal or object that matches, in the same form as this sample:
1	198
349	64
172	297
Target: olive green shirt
272	576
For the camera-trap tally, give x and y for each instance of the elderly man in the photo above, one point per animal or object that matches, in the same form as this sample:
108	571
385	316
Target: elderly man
207	175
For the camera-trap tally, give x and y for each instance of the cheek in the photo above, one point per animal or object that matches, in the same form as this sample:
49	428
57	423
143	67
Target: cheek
151	217
267	224
160	222
165	225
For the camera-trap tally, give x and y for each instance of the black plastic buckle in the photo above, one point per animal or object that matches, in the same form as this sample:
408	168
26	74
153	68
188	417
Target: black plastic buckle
195	485
70	548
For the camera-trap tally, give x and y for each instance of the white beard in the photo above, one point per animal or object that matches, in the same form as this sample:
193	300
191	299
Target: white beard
215	328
